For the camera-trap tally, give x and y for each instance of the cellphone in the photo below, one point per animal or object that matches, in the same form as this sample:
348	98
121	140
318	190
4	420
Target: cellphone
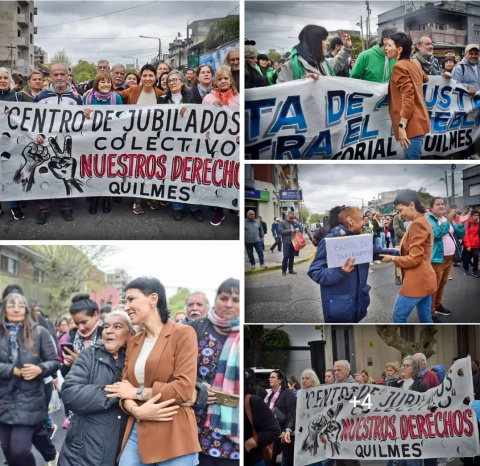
67	345
226	399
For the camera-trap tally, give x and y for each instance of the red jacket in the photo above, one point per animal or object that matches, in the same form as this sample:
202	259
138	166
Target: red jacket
472	234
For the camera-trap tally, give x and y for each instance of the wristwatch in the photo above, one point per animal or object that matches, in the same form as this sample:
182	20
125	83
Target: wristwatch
140	392
402	125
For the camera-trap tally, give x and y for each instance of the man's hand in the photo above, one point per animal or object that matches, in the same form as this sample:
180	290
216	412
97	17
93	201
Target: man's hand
349	264
69	356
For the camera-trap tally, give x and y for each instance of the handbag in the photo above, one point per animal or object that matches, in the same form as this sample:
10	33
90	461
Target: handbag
298	241
267	451
458	254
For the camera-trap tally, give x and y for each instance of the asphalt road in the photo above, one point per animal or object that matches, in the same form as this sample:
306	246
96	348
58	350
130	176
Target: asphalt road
119	224
270	297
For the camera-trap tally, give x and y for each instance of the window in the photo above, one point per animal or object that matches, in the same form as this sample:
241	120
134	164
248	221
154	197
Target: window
31	17
474	190
39	276
476	30
31	38
9	265
19	33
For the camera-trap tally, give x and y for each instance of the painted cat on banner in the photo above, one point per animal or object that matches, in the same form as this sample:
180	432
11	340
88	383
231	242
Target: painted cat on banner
186	153
366	422
348	119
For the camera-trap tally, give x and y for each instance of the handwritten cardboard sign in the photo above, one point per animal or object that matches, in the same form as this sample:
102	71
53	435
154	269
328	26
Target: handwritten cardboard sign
339	249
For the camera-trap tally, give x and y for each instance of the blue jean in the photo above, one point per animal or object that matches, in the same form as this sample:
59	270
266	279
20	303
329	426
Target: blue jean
14	204
259	248
288	257
382	237
179	206
131	457
404	306
377	241
414	152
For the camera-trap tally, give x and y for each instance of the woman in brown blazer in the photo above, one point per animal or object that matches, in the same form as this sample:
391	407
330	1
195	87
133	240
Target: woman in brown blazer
419	280
160	366
407	108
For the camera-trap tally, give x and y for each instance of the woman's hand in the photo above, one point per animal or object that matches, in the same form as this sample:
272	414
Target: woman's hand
17	372
40	139
30	371
287	438
123	389
250	444
160	412
217	103
402	138
182	111
386	258
348	266
463	218
87	112
451	215
312	75
212	398
69	356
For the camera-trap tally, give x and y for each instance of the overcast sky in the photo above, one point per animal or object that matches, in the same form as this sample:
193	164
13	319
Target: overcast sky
271	23
188	265
325	186
115	35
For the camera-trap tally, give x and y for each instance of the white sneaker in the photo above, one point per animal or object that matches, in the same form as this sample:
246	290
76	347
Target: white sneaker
371	263
263	266
253	267
377	262
53	462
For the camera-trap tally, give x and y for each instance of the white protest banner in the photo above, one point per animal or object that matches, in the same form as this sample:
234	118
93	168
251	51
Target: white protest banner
340	248
177	153
366	422
344	118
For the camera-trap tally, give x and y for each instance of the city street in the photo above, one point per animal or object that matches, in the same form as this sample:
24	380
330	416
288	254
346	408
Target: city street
270	297
119	224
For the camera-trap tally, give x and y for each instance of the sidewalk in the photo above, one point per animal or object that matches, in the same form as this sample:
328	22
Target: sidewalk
273	260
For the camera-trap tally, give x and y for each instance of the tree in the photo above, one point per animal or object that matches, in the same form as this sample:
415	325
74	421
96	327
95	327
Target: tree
356	46
273	340
222	31
84	71
252	335
177	301
61	57
390	334
425	198
274	56
315	217
305	214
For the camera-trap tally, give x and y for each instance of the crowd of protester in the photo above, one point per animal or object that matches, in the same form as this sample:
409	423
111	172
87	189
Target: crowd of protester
138	385
270	415
149	85
396	60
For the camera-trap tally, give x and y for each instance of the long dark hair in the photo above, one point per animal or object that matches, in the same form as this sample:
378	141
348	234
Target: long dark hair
149	285
311	37
406	196
28	323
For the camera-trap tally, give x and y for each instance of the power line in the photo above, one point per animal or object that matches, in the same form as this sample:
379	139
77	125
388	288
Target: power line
97	16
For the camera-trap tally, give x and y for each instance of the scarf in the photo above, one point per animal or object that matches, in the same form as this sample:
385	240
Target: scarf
13	330
79	340
203	90
297	67
274	399
429	66
227	379
102	97
224	96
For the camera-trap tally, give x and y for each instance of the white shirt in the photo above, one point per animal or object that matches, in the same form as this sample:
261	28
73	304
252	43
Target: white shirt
147	98
142	359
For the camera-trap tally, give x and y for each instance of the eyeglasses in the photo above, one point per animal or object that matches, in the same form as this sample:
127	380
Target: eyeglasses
405	366
271	378
13	306
173	80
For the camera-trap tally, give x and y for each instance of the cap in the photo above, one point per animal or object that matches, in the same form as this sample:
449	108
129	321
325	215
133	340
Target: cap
250	52
276	218
471	46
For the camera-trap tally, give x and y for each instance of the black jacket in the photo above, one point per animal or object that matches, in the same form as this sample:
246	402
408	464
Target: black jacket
97	425
187	97
287	404
22	402
418	385
11	96
266	426
197	98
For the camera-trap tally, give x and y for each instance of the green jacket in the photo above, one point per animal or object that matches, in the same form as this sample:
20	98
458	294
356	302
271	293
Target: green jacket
438	232
269	74
373	65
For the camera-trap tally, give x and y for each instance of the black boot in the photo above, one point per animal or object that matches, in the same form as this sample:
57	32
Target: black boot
93	205
106	207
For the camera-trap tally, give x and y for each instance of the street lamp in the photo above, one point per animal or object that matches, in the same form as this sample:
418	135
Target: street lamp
159	45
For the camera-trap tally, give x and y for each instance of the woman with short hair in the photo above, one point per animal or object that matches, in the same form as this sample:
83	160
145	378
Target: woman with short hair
224	91
204	80
309	379
406	104
392	373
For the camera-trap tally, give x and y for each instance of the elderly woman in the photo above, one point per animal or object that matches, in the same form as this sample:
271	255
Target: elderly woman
444	230
407	107
344	290
102	94
412	378
224	91
204	79
392	373
309	379
27	356
160	362
416	249
308	60
218	371
179	93
95	416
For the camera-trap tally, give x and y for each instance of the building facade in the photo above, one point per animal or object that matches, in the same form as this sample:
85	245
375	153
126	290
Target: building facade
17	51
